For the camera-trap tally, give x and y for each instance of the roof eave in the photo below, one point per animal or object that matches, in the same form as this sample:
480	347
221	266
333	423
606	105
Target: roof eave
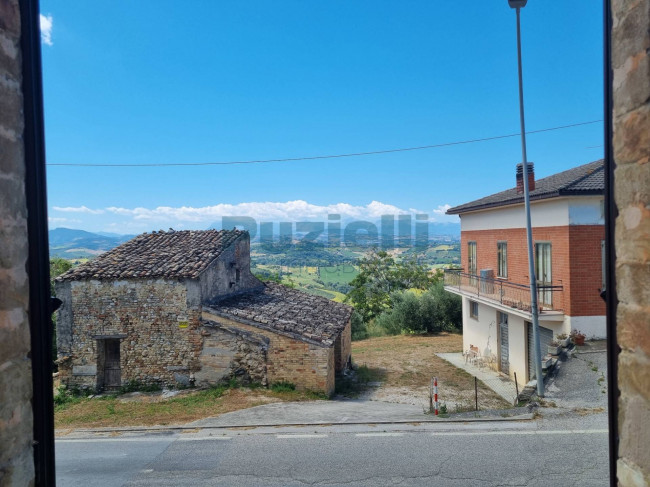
519	201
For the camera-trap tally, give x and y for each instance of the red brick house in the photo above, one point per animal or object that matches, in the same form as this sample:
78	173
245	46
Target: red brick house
568	235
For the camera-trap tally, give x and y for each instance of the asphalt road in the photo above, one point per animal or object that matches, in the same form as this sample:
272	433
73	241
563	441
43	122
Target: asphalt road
530	453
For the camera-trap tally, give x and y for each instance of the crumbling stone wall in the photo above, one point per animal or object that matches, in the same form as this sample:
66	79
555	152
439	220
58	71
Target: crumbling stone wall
343	348
160	338
631	66
230	274
231	353
16	423
308	366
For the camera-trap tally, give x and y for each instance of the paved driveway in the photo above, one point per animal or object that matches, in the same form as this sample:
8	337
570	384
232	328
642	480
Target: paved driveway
580	379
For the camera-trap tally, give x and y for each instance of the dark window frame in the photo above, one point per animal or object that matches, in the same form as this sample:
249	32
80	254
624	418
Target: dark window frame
472	314
502	259
472	257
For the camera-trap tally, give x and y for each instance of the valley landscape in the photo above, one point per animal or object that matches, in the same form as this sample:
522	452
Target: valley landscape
312	267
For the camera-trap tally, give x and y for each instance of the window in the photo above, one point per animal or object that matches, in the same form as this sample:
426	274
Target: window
543	272
473	309
603	264
471	257
502	259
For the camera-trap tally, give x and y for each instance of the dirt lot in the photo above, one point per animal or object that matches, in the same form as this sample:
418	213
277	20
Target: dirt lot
406	365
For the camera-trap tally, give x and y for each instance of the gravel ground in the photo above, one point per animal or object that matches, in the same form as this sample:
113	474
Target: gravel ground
576	394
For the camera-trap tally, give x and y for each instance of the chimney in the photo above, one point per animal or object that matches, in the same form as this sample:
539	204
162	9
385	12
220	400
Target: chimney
520	177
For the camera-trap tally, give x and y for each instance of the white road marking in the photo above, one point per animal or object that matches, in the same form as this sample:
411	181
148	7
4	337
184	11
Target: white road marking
114	439
301	436
204	438
369	435
529	432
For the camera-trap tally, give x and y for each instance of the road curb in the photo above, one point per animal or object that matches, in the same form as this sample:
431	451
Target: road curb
133	429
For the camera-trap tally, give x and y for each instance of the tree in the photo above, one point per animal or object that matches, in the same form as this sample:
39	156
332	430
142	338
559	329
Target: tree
380	276
358	327
431	312
57	267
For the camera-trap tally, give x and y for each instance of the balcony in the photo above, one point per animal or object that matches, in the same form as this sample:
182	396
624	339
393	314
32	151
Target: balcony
505	295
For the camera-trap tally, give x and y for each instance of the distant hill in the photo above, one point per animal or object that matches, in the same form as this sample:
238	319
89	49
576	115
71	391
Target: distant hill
74	244
449	230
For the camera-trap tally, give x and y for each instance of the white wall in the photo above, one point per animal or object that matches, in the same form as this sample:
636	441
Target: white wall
586	211
546	213
517	348
595	327
579	210
477	332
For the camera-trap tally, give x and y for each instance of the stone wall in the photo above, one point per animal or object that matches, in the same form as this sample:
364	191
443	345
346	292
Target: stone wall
160	336
230	352
308	366
631	117
16	423
230	274
343	348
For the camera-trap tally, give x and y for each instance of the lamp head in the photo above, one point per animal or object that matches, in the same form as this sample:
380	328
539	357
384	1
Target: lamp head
517	3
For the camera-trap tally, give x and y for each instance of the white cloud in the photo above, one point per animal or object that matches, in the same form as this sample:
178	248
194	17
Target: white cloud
297	210
441	210
141	219
77	209
46	29
53	220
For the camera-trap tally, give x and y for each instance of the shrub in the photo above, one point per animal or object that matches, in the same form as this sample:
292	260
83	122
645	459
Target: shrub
283	386
65	397
430	312
359	330
137	386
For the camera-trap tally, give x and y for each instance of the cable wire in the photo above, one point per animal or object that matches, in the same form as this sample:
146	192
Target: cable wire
332	156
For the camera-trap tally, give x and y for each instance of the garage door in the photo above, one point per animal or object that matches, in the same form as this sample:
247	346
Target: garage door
545	337
503	338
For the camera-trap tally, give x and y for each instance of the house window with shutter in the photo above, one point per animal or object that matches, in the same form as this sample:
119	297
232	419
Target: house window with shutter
471	257
502	259
603	265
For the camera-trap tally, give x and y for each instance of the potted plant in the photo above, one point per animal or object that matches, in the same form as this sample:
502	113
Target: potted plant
577	337
554	347
563	339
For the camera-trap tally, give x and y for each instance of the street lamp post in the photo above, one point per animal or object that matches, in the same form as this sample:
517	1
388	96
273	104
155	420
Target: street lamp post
518	5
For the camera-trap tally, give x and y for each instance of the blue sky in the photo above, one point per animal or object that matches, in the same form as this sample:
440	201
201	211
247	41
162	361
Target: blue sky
208	81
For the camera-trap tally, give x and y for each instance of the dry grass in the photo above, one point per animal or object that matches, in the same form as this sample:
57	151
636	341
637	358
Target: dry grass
152	409
588	411
408	362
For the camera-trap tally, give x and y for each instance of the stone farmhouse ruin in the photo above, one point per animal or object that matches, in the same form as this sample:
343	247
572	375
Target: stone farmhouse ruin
183	306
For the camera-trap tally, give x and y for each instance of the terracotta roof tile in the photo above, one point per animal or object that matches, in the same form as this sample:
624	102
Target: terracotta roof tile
173	255
281	308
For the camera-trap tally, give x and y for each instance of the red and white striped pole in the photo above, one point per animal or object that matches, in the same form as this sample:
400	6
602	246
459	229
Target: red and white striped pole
435	393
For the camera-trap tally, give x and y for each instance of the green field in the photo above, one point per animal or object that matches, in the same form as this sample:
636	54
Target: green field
338	274
328	282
